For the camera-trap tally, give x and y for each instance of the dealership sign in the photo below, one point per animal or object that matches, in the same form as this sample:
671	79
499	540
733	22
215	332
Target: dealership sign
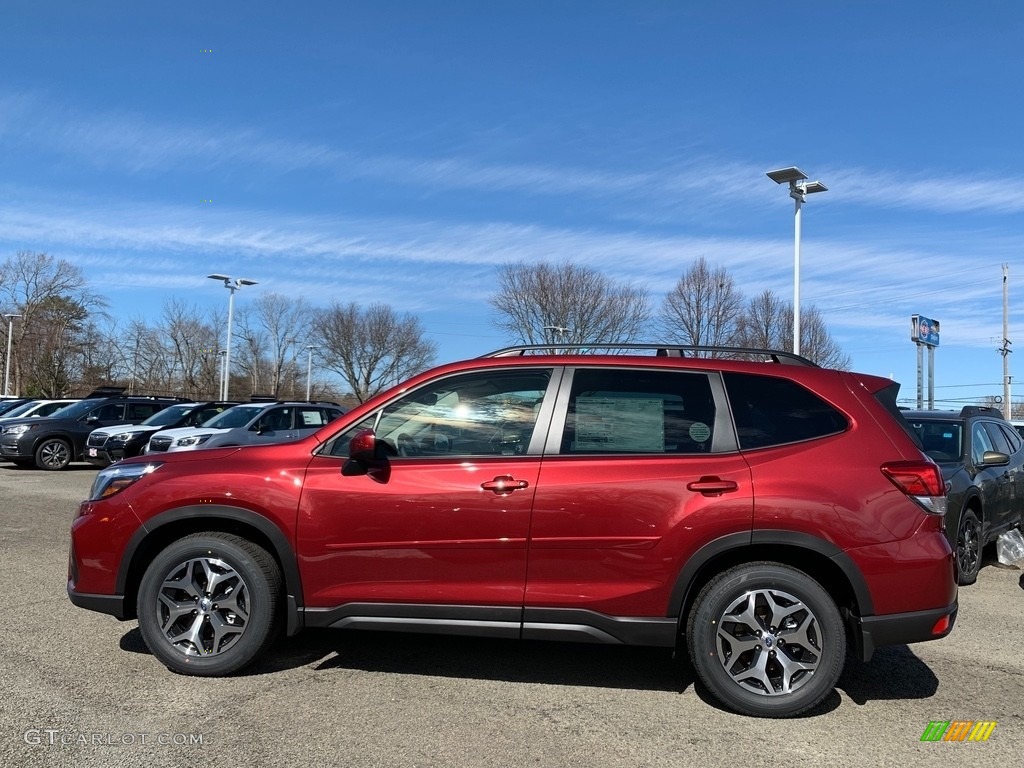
924	330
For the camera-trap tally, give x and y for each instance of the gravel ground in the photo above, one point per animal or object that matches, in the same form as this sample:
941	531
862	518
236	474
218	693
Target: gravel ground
80	689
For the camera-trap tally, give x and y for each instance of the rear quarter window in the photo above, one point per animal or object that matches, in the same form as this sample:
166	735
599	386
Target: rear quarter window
773	411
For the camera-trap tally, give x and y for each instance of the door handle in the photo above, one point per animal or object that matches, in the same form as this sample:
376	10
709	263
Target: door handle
503	485
712	486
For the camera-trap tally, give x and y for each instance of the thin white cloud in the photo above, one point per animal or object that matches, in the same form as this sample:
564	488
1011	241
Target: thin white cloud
133	144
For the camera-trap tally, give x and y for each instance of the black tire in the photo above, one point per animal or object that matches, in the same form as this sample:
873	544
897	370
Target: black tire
748	663
968	548
230	625
53	453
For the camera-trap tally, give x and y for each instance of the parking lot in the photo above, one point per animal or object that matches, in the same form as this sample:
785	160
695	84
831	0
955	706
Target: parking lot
81	689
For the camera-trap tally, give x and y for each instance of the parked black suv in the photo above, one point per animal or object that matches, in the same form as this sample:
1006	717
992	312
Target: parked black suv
109	444
55	441
981	456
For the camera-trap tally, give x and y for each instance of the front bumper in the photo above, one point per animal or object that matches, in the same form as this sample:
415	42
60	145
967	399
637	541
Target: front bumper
13	449
102	457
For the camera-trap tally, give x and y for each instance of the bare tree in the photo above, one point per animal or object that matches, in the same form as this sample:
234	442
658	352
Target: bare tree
192	344
546	304
816	343
371	349
53	298
764	324
271	329
704	307
768	324
47	347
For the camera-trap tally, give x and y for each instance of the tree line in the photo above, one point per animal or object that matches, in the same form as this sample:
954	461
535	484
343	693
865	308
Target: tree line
67	341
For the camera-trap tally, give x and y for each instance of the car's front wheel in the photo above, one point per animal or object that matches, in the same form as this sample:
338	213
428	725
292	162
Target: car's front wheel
209	604
968	548
766	640
53	454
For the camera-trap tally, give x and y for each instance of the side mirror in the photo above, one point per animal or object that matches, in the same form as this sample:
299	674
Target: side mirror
363	447
994	459
367	456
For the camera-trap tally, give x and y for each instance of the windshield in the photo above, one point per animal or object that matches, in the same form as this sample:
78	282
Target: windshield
75	410
17	411
941	440
6	407
169	415
238	416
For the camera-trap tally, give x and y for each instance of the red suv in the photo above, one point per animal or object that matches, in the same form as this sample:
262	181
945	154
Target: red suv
766	512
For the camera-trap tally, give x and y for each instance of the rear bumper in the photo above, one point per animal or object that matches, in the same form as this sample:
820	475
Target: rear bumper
109	604
871	632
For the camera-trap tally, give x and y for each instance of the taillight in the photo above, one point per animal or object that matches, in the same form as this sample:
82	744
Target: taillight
921	480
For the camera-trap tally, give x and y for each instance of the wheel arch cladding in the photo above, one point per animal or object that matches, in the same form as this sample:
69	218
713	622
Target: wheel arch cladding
821	560
159	531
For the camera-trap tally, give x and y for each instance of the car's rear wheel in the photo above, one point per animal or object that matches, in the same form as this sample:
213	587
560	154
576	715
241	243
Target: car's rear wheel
209	604
968	548
766	640
53	454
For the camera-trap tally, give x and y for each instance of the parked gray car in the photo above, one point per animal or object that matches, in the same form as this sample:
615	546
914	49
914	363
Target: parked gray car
249	424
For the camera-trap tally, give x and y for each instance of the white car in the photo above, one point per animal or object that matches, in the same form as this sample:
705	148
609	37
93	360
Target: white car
38	408
249	424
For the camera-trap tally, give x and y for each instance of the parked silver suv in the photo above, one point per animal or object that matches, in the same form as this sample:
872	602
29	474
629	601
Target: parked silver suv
249	424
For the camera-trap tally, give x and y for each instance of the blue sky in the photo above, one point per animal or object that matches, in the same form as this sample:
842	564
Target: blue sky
400	151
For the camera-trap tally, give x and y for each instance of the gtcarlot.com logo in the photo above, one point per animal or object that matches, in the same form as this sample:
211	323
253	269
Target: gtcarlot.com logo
958	730
54	737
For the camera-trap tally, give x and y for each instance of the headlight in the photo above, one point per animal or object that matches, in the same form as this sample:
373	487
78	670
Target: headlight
19	429
117	477
123	437
185	442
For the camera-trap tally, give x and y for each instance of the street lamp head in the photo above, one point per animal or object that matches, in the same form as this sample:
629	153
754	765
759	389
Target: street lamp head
813	186
225	278
246	281
12	315
787	175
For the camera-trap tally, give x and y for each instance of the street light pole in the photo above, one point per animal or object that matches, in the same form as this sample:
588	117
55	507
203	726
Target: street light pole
799	188
220	375
7	365
561	330
309	371
232	285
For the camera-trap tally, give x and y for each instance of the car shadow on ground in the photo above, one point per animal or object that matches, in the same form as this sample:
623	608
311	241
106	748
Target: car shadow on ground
894	673
8	466
470	658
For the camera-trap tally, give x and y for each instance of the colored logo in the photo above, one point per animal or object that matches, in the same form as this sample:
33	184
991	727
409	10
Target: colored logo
958	730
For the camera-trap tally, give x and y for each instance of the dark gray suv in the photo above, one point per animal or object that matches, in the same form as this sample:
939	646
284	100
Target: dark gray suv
981	457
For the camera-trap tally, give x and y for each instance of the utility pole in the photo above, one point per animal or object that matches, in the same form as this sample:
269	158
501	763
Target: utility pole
1005	350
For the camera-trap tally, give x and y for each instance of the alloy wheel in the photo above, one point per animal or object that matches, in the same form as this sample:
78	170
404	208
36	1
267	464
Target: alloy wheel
769	642
202	607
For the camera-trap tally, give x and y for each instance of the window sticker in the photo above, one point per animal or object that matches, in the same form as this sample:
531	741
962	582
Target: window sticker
620	424
699	432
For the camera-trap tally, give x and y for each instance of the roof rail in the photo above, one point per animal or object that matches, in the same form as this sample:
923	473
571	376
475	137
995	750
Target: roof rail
660	350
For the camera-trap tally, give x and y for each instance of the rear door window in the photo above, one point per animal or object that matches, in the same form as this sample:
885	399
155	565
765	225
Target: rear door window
773	411
635	411
142	411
